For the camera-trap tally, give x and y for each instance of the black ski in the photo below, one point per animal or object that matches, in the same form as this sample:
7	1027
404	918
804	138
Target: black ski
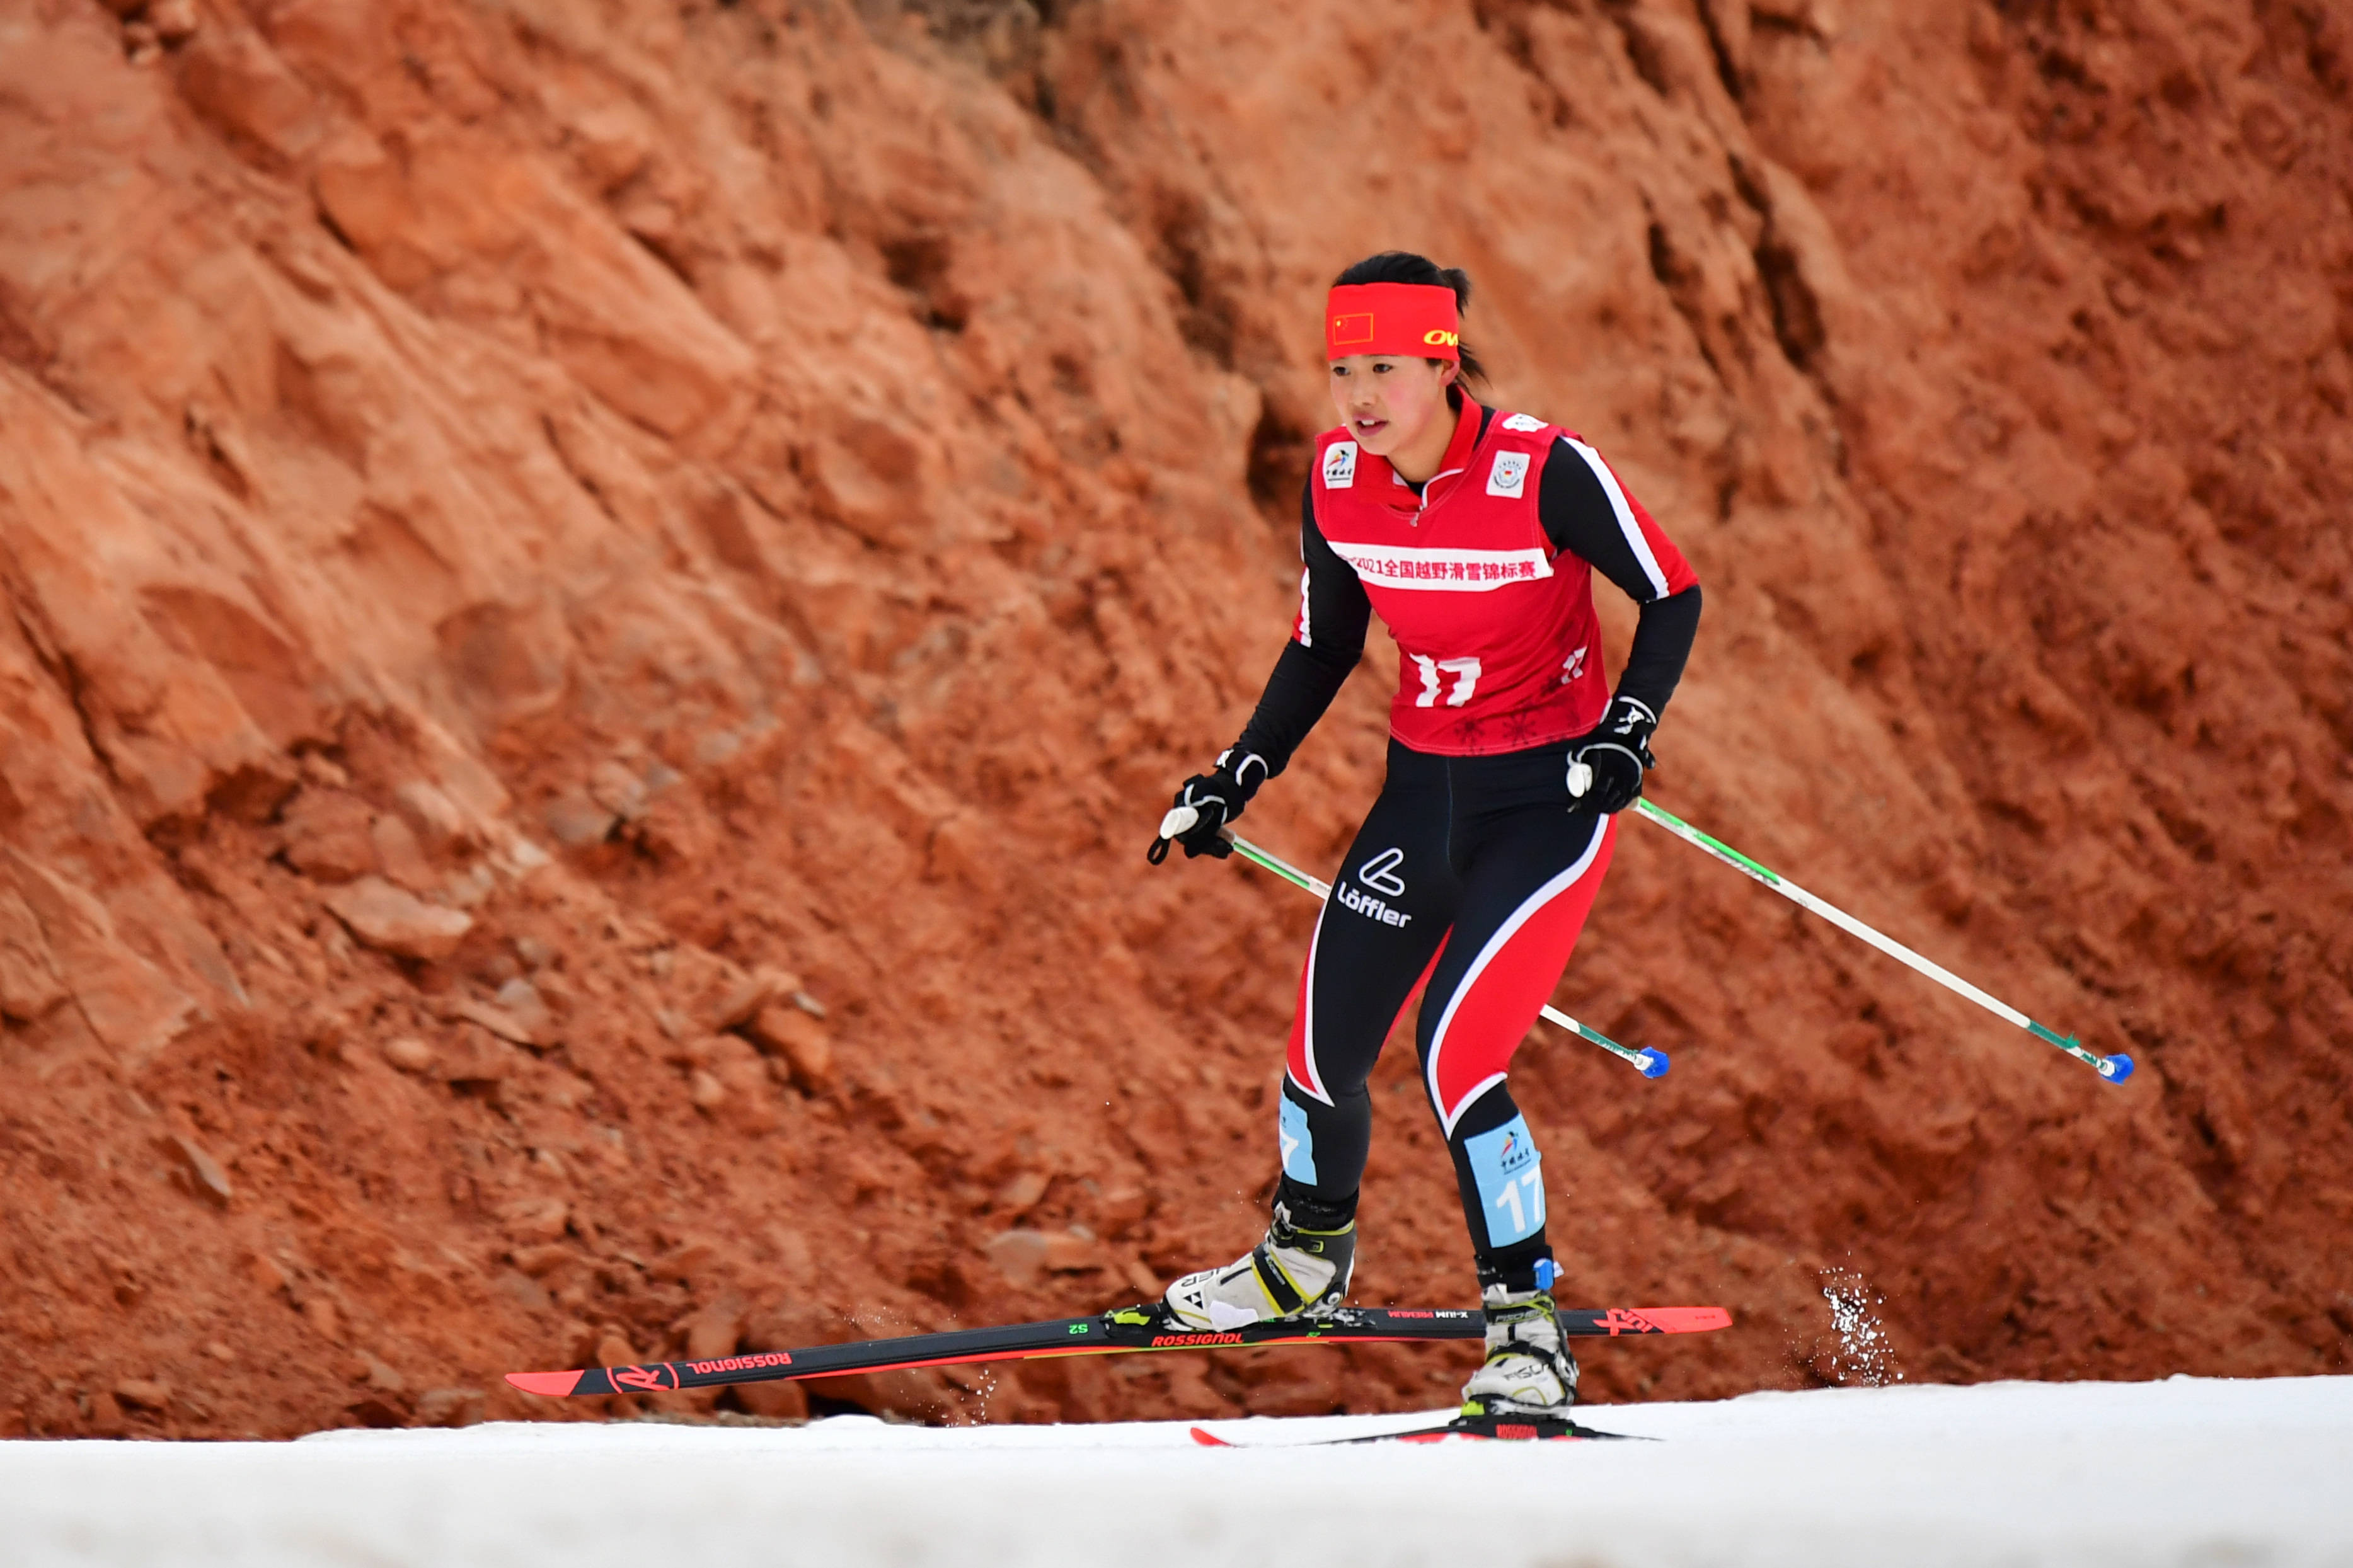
1125	1329
1460	1430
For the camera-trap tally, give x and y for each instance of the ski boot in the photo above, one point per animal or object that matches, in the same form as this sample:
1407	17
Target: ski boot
1529	1375
1294	1273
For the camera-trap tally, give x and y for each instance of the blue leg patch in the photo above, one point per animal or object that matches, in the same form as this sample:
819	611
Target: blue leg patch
1298	1142
1510	1174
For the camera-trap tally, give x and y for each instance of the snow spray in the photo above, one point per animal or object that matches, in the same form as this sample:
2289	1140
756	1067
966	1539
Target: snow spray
1864	1354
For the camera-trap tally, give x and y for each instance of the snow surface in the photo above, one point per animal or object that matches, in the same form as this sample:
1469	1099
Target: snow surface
2218	1474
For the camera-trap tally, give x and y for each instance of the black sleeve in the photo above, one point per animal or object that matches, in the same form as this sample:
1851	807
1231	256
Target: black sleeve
1663	642
1330	641
1580	518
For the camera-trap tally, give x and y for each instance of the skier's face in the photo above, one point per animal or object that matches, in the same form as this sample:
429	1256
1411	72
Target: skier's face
1393	404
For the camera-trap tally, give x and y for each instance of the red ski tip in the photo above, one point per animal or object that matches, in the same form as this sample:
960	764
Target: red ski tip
554	1385
1210	1439
1687	1320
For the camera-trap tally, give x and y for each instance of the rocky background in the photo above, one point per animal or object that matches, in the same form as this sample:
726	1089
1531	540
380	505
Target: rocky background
604	594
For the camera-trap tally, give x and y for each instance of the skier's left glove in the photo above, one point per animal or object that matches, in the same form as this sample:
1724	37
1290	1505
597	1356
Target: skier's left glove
1205	803
1606	764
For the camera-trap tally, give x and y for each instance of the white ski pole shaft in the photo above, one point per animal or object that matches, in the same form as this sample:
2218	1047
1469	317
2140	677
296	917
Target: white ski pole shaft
2115	1068
1649	1063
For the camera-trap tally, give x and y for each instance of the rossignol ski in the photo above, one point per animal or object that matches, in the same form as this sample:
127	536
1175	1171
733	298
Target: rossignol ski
1105	1333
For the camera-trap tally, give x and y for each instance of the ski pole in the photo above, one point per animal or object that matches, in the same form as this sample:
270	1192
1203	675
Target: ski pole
1648	1061
2115	1068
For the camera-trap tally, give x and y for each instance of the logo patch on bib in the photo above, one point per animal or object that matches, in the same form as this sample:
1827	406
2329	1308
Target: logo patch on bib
1510	474
1339	465
1522	422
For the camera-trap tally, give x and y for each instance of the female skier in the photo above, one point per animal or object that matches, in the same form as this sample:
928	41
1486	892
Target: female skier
1474	532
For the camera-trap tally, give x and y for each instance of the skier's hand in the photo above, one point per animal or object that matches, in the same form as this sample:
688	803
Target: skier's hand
1606	764
1203	804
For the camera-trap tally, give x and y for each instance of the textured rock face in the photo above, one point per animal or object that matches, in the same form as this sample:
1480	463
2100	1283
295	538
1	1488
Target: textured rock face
711	529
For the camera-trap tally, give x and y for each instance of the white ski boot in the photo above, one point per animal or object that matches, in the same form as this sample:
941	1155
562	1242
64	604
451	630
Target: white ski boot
1294	1273
1528	1370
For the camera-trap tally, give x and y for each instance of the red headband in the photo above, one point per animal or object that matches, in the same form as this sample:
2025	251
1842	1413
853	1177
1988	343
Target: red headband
1419	319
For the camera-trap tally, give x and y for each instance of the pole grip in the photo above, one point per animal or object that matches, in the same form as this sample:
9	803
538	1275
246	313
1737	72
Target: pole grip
1178	820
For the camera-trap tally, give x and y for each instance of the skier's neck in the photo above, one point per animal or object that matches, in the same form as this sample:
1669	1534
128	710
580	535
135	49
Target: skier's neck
1415	464
1418	460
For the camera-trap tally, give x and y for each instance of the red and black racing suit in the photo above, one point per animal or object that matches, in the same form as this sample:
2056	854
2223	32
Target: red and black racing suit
1474	870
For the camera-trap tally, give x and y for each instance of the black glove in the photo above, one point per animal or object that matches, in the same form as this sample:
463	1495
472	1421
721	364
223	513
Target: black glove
1215	799
1612	756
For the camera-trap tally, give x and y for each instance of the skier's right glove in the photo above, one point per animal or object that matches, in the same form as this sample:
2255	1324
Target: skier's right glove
1205	803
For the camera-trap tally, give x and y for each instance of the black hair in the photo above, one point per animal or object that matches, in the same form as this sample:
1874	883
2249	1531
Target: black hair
1404	267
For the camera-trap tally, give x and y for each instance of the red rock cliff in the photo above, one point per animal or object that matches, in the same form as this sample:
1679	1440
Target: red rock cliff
603	598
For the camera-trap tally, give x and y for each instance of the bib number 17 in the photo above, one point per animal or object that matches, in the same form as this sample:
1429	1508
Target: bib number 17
1466	679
